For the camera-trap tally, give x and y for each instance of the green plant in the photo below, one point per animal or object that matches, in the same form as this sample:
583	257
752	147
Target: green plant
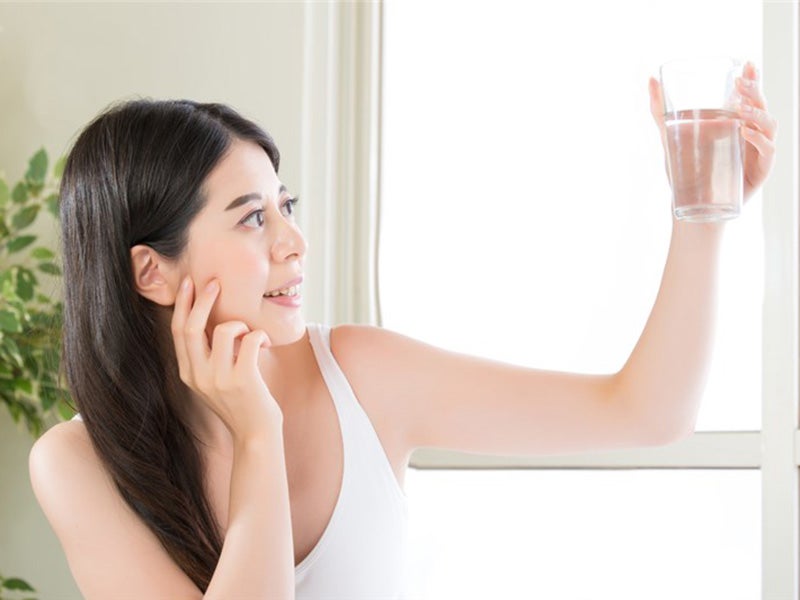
13	587
30	321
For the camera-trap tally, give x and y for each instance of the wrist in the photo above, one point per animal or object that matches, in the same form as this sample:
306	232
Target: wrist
690	229
258	435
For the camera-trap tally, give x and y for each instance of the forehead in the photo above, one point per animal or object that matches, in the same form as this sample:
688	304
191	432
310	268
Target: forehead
244	169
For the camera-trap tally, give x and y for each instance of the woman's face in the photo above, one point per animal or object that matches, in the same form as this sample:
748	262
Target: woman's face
247	239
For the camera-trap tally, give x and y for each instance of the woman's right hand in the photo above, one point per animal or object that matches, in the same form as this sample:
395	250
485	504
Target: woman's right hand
231	385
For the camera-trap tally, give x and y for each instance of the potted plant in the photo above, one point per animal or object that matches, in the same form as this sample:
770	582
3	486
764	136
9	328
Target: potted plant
31	385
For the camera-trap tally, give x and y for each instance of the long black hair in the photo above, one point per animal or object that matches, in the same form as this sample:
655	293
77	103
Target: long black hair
135	176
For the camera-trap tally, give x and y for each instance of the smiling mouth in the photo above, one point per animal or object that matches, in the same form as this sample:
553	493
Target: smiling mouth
291	291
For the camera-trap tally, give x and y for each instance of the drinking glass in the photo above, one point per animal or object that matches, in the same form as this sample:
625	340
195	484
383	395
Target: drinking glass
704	145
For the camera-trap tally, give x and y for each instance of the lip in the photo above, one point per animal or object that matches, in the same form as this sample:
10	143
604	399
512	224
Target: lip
290	301
288	284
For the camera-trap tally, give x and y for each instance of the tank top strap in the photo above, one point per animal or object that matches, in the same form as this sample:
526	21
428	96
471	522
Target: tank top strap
320	337
366	453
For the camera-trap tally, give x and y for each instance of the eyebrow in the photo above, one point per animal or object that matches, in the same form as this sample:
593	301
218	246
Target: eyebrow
248	197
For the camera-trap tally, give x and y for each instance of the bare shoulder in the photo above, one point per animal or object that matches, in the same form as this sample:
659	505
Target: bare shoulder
372	353
365	341
103	539
63	456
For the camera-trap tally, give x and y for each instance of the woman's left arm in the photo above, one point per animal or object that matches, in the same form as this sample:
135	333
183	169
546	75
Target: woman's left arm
666	372
437	398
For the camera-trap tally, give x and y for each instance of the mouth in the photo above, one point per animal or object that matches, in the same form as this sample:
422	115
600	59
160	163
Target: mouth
290	291
288	294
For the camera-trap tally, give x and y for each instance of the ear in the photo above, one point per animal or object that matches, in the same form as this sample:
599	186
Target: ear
155	277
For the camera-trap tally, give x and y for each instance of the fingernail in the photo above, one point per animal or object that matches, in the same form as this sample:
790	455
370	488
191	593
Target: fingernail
746	108
213	286
185	284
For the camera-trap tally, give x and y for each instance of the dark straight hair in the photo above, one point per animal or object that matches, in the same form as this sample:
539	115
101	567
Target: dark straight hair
135	176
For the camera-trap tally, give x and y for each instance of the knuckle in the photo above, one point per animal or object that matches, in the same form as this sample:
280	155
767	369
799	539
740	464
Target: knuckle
254	337
193	331
229	327
175	327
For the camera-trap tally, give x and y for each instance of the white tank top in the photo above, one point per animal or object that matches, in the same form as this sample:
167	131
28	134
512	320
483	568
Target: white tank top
363	552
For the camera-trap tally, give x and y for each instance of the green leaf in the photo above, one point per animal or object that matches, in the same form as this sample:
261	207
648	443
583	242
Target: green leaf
52	204
18	243
5	196
41	253
20	193
25	282
65	411
25	217
37	167
14	583
23	385
49	398
50	268
12	351
9	321
58	170
6	278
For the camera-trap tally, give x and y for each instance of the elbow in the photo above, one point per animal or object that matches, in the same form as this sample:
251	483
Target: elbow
660	421
665	436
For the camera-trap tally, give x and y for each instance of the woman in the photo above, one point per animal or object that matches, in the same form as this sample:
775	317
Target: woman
227	449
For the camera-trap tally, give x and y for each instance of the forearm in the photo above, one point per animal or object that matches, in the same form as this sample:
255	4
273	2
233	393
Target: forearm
665	375
257	559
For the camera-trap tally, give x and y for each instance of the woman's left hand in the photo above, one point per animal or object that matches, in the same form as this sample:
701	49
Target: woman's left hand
758	127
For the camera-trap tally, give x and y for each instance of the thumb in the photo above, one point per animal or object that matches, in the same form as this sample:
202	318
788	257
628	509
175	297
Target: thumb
656	101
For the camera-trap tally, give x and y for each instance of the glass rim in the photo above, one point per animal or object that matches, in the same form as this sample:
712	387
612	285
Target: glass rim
733	61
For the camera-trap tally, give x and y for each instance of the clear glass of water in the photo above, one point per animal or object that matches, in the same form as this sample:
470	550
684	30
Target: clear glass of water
704	145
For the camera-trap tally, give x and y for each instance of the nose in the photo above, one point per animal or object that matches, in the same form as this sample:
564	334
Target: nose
289	242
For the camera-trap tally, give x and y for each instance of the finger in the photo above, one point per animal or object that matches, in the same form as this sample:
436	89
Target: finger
180	312
251	344
223	344
763	145
749	89
750	71
656	101
195	330
755	117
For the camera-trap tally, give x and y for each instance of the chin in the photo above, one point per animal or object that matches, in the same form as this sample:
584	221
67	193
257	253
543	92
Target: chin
287	332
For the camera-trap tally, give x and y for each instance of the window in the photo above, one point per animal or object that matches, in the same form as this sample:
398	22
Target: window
525	216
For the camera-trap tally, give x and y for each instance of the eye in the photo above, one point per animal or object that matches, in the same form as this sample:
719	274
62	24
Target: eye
290	204
252	220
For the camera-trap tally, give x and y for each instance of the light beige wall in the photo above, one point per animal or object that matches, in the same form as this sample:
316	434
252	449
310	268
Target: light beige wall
60	64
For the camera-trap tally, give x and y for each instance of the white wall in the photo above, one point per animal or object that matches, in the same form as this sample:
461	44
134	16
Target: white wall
61	64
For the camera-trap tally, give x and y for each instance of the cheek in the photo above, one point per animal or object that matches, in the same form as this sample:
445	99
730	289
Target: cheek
243	278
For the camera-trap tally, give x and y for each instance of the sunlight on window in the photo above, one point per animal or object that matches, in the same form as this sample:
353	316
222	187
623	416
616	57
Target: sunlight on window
586	535
526	218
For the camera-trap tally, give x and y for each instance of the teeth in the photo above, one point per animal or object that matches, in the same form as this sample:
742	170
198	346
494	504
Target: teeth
292	291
